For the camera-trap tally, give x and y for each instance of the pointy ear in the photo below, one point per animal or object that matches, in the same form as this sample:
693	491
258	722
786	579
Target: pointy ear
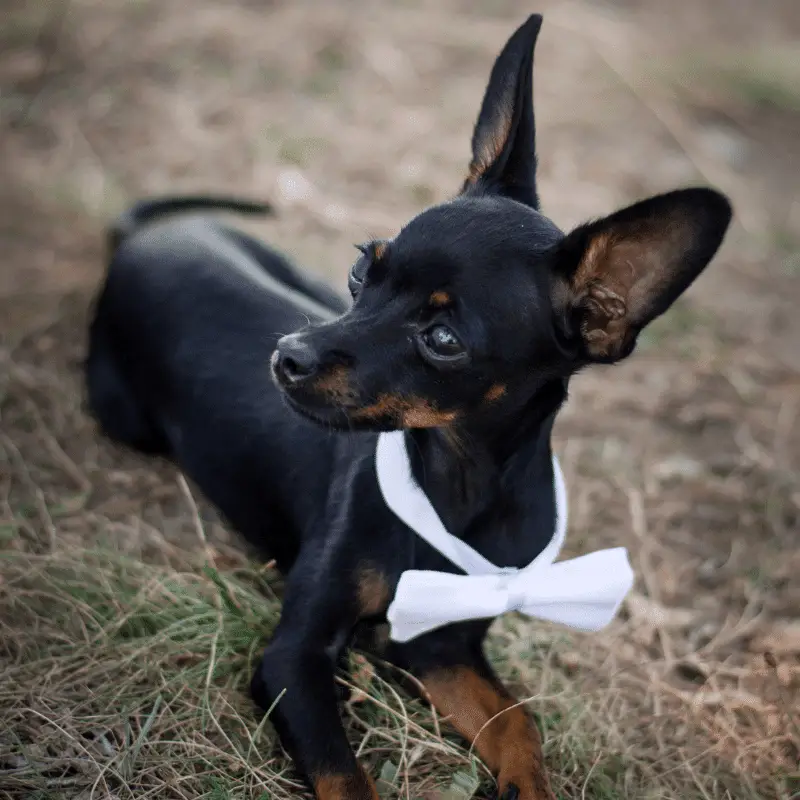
503	143
616	275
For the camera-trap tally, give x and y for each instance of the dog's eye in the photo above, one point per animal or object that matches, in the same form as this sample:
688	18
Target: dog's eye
441	341
358	272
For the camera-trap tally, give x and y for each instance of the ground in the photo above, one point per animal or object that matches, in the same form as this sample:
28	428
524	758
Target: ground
130	616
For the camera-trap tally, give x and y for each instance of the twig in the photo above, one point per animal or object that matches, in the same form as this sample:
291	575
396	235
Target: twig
76	743
443	745
786	701
639	524
196	519
69	466
422	691
41	504
750	619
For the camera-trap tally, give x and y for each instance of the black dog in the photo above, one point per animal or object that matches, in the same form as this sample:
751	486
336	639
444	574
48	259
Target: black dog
464	331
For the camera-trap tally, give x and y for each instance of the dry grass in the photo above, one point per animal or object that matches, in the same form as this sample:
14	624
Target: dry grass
129	616
124	679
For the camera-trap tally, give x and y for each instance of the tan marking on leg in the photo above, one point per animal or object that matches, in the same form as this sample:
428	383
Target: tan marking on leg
373	590
510	744
346	787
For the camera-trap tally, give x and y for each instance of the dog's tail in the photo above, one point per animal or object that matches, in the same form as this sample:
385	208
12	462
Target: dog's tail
148	210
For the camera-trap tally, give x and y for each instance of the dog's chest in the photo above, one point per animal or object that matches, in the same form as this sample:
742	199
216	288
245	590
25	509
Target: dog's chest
469	515
510	531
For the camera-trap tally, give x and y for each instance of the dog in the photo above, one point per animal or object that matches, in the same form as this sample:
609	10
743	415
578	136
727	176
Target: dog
272	394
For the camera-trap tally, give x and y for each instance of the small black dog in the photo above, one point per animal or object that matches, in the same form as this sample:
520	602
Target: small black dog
464	331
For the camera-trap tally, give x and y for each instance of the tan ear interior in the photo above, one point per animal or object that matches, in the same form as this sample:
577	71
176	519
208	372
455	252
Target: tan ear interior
614	283
491	146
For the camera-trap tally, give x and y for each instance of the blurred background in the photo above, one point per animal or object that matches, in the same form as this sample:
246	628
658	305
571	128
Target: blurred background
351	116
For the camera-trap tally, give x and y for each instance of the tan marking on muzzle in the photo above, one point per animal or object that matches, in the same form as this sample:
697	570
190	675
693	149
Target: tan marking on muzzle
336	384
408	412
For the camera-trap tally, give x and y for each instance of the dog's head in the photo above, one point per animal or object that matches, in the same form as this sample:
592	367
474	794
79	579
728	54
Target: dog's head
482	300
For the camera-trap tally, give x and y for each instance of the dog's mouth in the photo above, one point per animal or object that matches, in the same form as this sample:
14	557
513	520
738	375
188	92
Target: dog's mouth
386	413
341	418
340	414
322	414
316	402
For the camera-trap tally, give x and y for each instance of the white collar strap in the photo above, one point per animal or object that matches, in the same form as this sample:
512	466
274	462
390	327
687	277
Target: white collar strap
584	592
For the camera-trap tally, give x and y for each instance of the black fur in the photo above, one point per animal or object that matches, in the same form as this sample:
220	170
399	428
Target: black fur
192	312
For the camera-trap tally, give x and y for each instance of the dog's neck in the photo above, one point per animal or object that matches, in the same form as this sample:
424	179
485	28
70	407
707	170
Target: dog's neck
465	470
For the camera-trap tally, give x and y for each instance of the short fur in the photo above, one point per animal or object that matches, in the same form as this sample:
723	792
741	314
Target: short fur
464	330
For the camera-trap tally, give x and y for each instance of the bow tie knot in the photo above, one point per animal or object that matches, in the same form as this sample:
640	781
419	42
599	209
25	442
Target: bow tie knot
513	588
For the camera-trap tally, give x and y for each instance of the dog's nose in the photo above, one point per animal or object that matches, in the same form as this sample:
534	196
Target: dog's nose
296	360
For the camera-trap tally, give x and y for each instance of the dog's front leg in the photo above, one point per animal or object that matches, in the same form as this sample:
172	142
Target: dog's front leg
462	687
307	720
297	675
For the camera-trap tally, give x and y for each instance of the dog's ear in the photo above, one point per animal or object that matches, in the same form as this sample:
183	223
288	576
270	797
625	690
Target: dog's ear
615	275
503	142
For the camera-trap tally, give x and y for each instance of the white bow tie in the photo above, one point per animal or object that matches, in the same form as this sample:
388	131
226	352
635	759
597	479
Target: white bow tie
584	592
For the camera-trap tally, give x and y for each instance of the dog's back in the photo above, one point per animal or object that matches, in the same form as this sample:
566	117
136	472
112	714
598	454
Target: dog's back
119	412
190	310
